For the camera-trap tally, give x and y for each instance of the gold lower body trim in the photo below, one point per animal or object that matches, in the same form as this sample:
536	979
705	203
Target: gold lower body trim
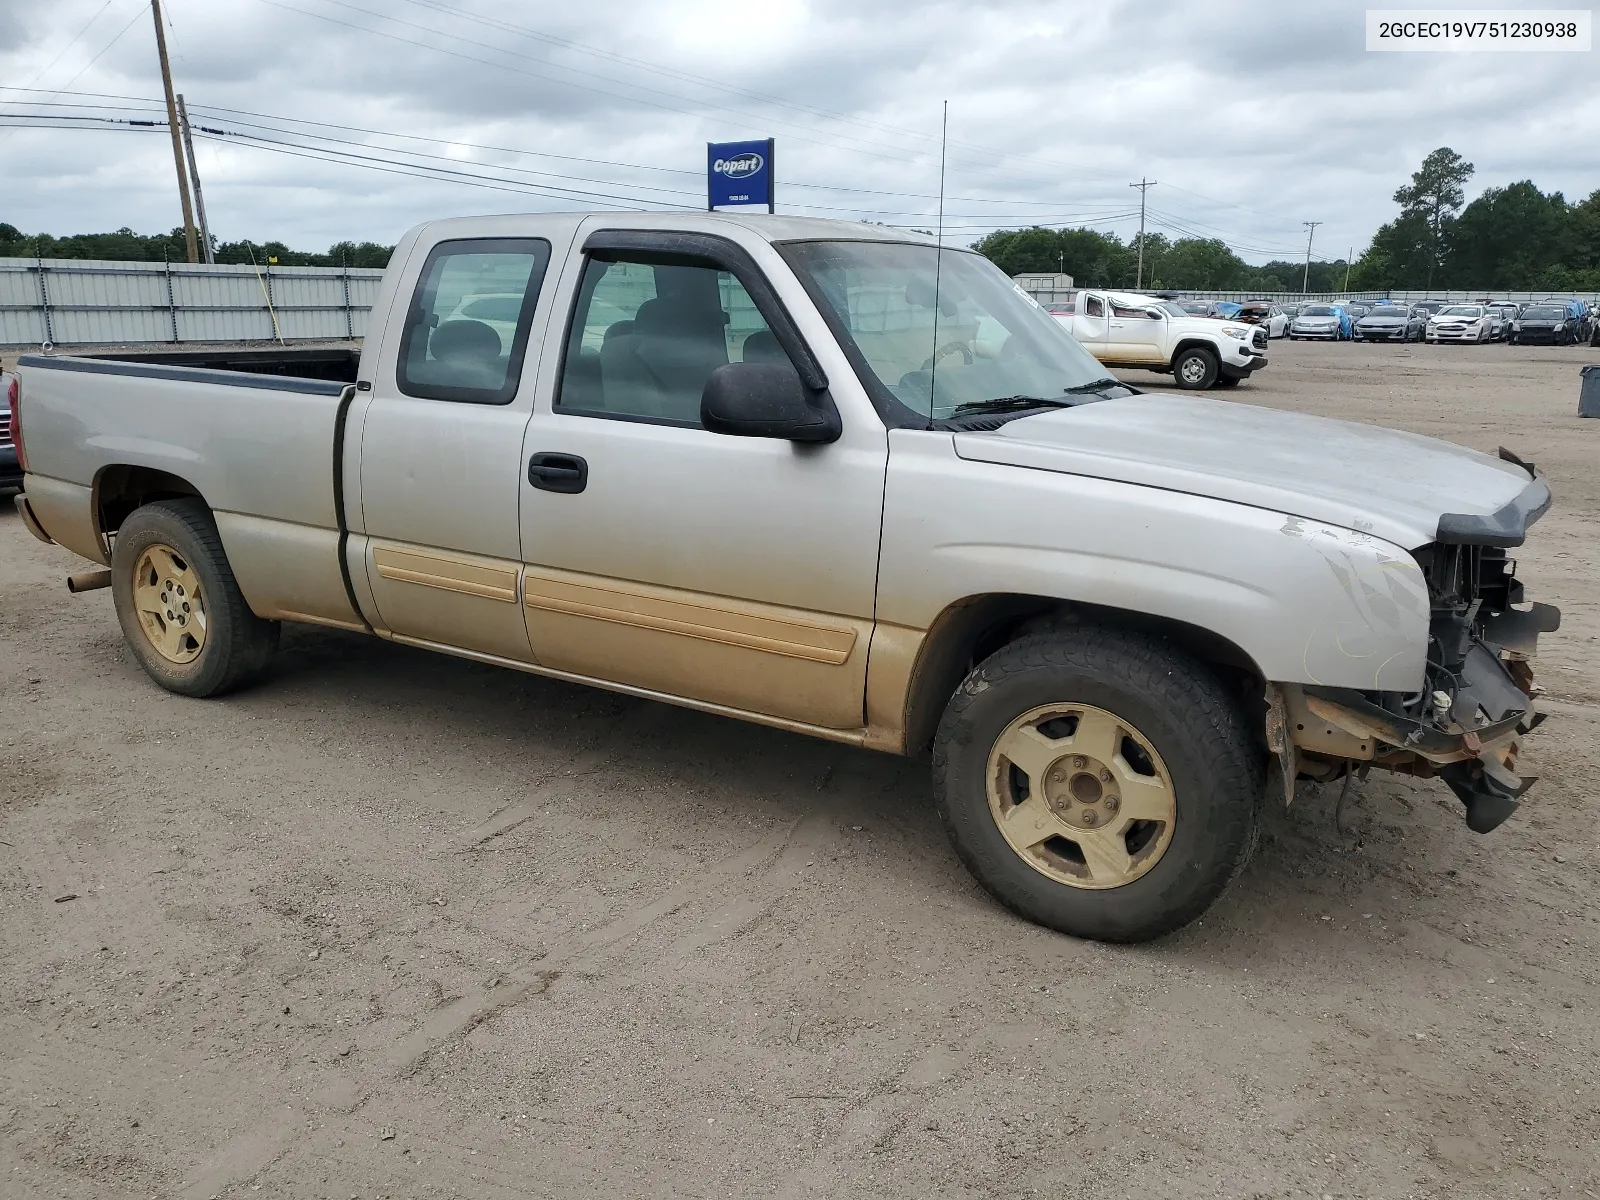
470	577
850	737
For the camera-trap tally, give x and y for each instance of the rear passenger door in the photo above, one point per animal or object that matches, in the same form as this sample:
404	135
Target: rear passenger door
441	447
733	571
1092	323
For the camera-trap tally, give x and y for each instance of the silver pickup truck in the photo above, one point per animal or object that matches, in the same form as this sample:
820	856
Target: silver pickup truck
830	478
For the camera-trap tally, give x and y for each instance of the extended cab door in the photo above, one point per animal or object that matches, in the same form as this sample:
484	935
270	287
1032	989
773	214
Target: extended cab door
441	442
1091	324
733	571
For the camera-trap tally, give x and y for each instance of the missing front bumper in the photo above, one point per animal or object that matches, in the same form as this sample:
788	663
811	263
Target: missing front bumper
1322	732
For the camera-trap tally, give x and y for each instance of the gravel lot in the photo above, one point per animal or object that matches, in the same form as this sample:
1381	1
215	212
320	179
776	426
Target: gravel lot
393	924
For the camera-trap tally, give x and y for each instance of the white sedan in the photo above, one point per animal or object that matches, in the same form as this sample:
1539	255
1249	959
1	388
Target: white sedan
1461	323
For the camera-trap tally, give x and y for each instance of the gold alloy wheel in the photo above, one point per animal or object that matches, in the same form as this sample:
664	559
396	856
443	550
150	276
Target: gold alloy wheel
172	611
1081	795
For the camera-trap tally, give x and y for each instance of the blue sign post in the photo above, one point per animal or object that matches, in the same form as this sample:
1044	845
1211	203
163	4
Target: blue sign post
739	173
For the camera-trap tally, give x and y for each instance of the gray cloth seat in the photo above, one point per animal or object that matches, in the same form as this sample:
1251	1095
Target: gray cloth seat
660	366
467	354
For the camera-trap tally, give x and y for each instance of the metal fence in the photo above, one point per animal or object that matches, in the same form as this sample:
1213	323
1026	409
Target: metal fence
66	302
1447	295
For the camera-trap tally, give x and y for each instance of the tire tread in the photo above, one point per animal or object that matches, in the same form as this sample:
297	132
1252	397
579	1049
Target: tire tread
1144	665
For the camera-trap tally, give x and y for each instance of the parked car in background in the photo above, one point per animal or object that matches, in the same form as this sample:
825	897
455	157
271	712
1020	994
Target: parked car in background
1429	307
1267	315
1390	323
1330	321
1460	323
10	468
1290	310
1582	314
1223	310
1357	309
1128	330
1550	324
1506	313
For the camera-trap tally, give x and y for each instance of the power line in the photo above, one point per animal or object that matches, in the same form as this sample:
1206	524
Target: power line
996	220
70	44
117	38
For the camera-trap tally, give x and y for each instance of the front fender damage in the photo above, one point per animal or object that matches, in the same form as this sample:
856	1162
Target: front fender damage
1468	736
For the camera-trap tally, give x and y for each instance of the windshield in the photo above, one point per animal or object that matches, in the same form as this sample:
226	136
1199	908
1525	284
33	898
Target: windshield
1461	310
994	342
1388	312
1543	313
1172	308
1316	310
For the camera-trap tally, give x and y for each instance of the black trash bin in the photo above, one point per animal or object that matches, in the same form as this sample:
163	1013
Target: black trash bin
1589	392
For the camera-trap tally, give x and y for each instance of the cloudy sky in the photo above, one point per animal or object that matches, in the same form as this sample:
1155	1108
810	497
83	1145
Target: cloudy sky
357	118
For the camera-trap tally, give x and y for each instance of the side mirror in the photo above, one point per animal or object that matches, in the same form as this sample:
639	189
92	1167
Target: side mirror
750	399
1155	314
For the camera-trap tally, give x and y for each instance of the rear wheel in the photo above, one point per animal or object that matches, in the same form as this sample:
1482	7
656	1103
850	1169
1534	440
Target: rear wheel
179	606
1098	782
1195	368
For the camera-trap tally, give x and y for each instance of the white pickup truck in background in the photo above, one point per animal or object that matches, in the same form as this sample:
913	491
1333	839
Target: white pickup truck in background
837	480
1123	329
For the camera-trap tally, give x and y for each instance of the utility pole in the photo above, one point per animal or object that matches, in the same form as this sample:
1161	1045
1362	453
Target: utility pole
1311	231
177	135
206	252
1349	261
1144	185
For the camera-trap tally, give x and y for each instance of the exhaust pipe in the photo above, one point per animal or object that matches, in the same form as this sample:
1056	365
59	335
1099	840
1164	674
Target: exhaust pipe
88	581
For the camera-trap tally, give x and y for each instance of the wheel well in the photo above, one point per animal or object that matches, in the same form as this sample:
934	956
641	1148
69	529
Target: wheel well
1190	343
972	629
120	489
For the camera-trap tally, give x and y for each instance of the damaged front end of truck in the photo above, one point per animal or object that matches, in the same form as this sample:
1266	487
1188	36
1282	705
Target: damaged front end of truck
1465	723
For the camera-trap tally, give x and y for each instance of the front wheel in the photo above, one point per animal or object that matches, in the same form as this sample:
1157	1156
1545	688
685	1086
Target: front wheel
179	606
1099	782
1196	368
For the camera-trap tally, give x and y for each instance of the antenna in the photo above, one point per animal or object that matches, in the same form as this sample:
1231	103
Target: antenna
938	264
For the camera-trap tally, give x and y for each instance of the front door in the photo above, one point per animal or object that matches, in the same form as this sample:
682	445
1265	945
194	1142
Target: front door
441	449
734	571
1135	336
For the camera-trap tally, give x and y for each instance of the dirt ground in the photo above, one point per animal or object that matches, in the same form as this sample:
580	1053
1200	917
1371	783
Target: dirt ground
393	924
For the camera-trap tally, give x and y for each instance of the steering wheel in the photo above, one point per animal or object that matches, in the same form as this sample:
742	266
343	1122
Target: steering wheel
951	348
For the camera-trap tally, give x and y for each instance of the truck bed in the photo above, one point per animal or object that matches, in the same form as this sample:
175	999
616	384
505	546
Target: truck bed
263	450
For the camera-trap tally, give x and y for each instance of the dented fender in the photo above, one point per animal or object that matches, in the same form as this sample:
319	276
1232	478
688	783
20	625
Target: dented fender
1368	625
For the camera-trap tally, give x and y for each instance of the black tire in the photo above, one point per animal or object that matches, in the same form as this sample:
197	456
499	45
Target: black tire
1201	371
1187	716
237	644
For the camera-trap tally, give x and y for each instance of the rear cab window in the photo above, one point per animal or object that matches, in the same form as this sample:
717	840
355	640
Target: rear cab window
466	329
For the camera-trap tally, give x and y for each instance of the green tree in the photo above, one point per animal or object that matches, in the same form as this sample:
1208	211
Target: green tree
1435	195
124	245
1509	237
